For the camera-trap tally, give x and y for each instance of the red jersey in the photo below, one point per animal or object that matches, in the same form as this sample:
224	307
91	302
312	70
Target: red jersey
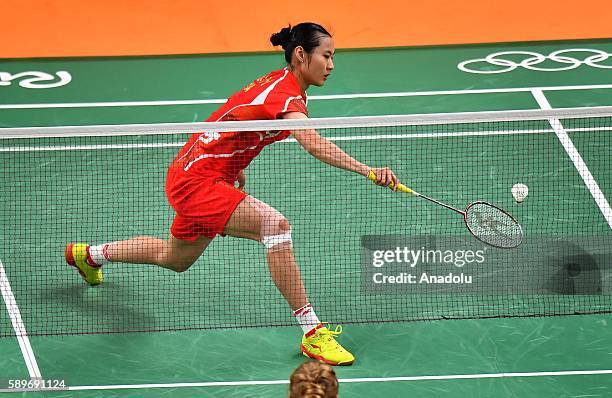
226	154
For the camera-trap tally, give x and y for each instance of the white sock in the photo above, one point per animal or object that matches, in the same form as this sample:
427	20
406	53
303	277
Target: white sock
99	254
306	317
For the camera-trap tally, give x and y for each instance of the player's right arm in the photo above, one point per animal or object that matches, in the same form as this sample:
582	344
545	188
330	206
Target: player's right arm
328	152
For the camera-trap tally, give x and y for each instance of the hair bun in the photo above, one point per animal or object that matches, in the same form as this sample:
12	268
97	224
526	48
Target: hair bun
313	390
281	38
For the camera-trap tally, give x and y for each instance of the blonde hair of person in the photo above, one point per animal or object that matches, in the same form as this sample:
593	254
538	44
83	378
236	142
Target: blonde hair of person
313	380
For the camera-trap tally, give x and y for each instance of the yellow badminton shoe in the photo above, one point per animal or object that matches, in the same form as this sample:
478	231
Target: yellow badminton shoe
76	255
320	344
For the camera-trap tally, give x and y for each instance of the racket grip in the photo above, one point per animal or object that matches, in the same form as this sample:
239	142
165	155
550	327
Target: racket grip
400	187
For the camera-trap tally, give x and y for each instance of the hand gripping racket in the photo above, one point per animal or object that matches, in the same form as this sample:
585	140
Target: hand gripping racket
488	223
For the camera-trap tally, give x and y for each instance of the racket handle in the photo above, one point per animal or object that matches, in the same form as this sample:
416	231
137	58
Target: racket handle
400	187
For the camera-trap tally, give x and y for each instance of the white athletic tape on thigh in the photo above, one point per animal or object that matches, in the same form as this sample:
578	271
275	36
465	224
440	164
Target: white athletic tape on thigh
274	240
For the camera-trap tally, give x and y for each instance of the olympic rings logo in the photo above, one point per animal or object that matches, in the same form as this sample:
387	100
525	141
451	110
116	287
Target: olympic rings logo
532	59
36	79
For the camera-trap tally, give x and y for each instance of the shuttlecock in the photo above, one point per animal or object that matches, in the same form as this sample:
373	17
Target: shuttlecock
520	192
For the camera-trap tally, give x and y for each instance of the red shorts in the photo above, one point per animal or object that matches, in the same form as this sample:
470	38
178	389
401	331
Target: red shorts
203	205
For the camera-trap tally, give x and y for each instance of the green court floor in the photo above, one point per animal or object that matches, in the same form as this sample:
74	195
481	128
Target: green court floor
518	357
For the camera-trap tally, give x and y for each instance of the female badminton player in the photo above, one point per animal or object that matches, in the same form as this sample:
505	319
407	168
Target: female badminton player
200	186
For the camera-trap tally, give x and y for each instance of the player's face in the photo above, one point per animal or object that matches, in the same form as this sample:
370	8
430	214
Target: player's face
320	62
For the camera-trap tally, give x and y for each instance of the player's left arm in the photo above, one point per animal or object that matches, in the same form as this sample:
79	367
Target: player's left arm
328	152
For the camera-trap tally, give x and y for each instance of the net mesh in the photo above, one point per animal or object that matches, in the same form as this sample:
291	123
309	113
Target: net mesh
106	184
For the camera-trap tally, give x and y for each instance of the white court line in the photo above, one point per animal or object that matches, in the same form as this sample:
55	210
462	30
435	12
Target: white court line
339	138
313	97
353	380
579	163
18	325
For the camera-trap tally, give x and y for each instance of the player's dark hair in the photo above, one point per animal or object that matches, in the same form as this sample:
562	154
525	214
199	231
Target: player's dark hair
306	35
313	380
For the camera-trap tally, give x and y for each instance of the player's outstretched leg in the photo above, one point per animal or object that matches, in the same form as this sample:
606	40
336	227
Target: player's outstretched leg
174	254
256	220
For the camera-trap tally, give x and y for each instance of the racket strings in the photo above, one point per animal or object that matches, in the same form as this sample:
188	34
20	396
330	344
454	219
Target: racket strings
493	225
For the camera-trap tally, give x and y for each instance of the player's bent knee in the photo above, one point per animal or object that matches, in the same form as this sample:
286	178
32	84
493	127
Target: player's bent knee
275	233
278	242
181	266
278	238
177	265
284	225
